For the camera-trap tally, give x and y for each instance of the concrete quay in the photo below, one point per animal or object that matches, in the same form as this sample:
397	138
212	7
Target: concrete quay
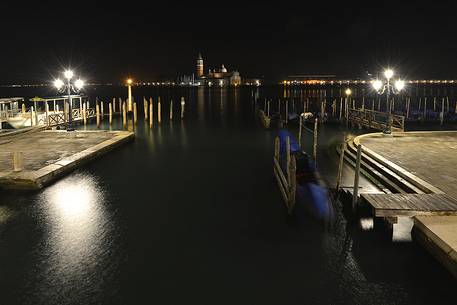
419	173
42	156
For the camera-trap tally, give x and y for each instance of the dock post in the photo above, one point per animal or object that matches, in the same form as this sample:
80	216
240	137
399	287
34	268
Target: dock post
268	108
425	109
134	113
355	192
341	108
114	105
315	140
434	104
47	113
101	110
171	110
340	165
124	115
288	159
150	115
18	161
300	118
159	112
145	106
121	109
277	148
292	184
84	114
97	109
31	115
408	102
110	114
23	108
151	109
183	103
442	112
287	111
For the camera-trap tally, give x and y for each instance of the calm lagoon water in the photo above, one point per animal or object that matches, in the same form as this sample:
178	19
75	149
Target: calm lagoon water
189	213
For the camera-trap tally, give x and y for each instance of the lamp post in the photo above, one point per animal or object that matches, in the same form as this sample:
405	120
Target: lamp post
388	88
129	85
67	88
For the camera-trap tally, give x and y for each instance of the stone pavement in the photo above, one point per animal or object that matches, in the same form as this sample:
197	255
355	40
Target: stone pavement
431	156
50	153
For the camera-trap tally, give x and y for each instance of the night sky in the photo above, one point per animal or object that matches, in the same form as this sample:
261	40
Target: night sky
106	42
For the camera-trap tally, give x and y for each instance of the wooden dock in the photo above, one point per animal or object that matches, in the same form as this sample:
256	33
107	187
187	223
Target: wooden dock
397	205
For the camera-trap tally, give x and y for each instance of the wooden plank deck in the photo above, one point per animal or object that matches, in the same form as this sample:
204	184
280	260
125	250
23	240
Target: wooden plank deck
394	205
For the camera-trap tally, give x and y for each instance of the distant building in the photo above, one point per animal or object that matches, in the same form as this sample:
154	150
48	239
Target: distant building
221	78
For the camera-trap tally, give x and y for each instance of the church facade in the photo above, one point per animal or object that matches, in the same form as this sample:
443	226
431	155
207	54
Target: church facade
219	78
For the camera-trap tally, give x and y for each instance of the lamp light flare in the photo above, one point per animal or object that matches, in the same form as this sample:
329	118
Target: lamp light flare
389	73
79	83
68	74
377	84
348	91
129	81
399	84
58	83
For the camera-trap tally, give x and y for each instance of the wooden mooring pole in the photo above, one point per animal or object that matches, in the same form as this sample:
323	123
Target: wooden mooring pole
18	161
97	109
134	113
145	105
150	114
124	115
355	192
84	114
110	114
159	112
315	140
340	165
171	110
114	105
183	103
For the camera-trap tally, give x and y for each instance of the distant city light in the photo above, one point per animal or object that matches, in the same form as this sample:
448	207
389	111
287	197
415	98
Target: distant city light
68	74
58	83
389	73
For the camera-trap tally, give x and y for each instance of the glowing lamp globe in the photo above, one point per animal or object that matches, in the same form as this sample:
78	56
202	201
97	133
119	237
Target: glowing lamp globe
389	73
400	84
377	84
79	84
58	83
68	74
348	91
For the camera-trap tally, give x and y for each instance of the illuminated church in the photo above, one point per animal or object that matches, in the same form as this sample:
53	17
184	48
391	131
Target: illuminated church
220	78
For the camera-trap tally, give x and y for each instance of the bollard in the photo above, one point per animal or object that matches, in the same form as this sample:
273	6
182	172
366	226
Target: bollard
84	114
46	106
18	161
134	113
97	109
124	115
183	102
171	110
145	106
150	115
159	112
111	114
31	116
315	140
23	108
355	192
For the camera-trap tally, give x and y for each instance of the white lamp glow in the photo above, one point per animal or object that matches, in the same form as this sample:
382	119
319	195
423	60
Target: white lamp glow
399	84
58	83
79	83
68	74
348	91
377	84
389	73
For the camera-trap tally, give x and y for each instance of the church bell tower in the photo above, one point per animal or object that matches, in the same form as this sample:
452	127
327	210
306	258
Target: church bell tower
199	65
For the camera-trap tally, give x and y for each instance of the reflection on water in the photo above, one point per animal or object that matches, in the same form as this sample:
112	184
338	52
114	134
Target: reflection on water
78	236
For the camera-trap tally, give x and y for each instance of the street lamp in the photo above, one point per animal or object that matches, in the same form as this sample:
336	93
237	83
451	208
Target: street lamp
380	87
129	84
68	87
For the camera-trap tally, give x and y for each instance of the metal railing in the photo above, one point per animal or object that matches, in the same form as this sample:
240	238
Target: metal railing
375	119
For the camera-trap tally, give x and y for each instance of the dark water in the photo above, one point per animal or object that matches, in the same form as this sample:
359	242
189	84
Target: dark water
189	213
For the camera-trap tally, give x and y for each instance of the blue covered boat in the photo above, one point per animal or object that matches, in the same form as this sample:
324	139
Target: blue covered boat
311	195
